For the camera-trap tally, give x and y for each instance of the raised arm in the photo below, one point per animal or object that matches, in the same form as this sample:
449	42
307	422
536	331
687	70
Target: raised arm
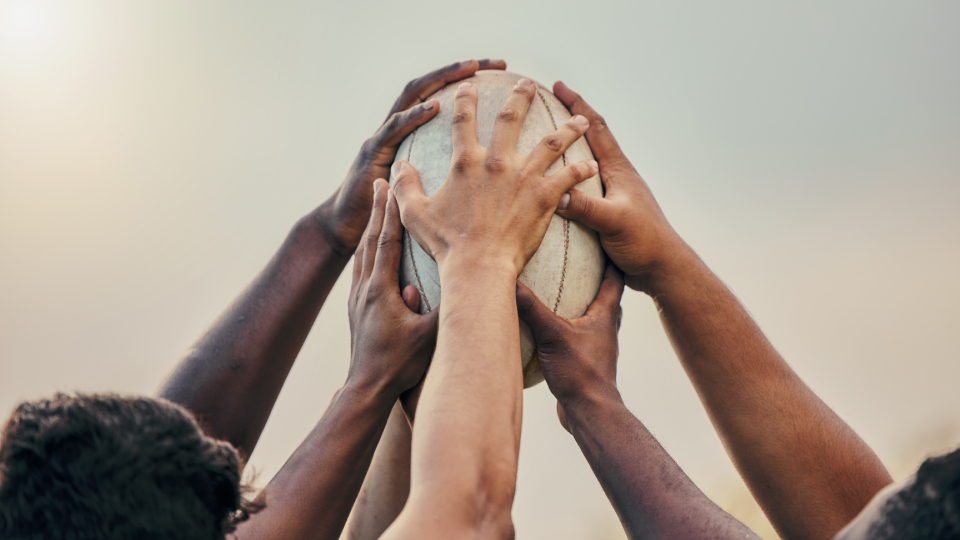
808	470
231	377
482	226
652	496
311	496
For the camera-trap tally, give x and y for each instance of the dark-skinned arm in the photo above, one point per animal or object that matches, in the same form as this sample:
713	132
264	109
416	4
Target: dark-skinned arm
650	493
808	469
231	377
311	495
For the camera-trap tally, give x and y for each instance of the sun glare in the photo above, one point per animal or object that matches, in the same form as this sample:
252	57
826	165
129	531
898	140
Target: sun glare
30	25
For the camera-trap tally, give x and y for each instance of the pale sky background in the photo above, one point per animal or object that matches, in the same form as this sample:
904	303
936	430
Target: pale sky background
153	155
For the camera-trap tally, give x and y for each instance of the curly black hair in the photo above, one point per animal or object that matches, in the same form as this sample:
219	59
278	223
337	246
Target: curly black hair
928	508
111	467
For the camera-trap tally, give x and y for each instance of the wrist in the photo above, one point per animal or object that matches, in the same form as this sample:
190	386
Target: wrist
678	265
324	220
476	264
580	408
372	390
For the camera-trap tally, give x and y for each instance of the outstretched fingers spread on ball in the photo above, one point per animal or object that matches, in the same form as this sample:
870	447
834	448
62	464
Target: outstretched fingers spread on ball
509	121
410	197
464	126
390	243
607	302
400	124
545	325
419	89
554	145
570	175
597	213
374	226
604	145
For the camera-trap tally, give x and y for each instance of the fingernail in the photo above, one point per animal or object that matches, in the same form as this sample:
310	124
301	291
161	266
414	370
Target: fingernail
464	86
497	61
594	165
395	170
376	187
582	120
428	105
524	82
564	201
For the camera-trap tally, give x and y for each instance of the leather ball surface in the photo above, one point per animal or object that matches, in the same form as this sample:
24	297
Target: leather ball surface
566	271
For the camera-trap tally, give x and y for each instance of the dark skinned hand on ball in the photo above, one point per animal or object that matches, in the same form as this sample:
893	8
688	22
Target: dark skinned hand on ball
578	356
390	341
344	216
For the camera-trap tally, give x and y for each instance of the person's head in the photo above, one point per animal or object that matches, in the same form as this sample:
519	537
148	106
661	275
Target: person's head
110	467
924	506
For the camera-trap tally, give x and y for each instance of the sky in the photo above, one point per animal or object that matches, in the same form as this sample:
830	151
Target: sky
153	155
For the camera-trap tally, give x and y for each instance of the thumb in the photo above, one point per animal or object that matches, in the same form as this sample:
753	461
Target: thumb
594	212
405	182
543	323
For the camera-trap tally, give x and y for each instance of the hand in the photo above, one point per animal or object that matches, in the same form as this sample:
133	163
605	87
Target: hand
391	344
578	356
632	228
344	216
495	205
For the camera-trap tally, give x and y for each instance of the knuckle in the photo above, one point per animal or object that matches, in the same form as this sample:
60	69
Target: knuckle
495	164
598	122
508	115
464	162
461	117
412	86
553	143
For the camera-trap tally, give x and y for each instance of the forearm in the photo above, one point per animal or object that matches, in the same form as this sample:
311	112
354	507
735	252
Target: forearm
467	435
810	472
232	375
650	493
312	494
387	483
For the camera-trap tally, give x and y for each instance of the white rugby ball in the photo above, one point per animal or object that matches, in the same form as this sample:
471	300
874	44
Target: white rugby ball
566	271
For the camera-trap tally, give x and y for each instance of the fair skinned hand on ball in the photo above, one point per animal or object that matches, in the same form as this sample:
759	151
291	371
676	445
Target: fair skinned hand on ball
578	356
344	216
391	344
632	228
495	205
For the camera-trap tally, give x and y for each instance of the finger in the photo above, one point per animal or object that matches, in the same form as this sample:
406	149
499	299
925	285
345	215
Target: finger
374	226
602	142
401	124
544	324
570	175
409	195
509	123
419	89
464	121
411	297
390	244
607	302
554	145
492	63
595	212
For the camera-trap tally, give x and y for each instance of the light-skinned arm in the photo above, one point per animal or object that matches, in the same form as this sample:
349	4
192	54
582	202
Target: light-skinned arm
231	377
391	345
651	494
482	226
808	469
